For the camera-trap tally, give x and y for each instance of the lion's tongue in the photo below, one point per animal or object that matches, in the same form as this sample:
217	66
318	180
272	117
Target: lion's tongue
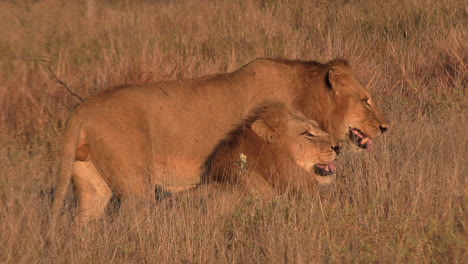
369	144
328	167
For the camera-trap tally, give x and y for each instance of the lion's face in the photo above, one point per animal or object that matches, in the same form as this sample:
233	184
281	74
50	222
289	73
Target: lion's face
357	117
311	148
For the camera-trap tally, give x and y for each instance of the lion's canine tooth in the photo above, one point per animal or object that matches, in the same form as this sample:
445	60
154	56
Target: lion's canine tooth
364	140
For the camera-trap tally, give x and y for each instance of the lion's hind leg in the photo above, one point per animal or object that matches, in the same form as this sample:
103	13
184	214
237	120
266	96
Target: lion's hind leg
93	192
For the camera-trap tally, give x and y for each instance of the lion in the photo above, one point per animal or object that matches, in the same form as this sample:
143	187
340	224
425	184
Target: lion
128	139
274	151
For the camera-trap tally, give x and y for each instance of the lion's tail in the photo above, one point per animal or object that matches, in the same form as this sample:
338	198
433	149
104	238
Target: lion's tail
70	142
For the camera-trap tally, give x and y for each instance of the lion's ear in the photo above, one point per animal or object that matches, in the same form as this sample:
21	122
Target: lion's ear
262	129
336	77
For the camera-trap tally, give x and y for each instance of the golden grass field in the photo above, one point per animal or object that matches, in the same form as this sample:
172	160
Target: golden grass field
405	202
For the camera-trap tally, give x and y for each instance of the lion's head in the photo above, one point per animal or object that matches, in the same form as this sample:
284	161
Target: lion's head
291	134
348	111
340	103
281	146
359	118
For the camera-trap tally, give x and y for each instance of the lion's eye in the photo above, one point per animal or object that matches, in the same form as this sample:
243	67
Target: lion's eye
308	134
366	102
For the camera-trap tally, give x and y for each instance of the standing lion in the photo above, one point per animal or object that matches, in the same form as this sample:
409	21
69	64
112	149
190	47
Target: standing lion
128	139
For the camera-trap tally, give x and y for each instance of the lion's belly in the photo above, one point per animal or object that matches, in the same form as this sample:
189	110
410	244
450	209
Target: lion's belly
176	174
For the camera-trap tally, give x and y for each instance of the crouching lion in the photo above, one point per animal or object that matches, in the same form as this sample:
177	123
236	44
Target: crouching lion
128	139
273	151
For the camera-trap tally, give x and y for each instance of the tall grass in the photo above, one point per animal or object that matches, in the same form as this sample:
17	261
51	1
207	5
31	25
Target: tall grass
405	202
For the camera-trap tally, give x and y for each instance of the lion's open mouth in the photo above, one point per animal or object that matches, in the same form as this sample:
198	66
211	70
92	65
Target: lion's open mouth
360	139
325	169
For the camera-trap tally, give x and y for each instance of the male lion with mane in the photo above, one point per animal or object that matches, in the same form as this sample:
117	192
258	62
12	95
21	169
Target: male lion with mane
130	138
274	151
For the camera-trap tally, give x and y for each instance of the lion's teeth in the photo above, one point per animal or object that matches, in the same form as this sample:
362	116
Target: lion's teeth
364	140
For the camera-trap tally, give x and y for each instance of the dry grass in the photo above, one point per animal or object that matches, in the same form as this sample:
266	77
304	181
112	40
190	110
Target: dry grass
403	203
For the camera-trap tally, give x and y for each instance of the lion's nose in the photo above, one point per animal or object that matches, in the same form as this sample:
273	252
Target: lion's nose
337	149
383	128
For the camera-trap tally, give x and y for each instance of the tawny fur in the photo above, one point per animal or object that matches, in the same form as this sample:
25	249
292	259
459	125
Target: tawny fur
281	154
268	154
131	138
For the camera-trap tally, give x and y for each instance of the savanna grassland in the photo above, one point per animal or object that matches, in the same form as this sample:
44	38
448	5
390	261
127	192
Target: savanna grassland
404	202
